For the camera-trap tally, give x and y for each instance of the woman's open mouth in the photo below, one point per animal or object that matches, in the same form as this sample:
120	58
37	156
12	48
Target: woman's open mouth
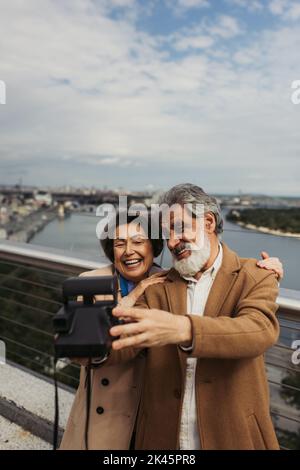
132	263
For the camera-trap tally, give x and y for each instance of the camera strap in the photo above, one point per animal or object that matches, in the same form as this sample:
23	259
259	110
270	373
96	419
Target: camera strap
56	406
88	404
88	401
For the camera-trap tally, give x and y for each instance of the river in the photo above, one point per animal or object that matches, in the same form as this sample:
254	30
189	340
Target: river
77	234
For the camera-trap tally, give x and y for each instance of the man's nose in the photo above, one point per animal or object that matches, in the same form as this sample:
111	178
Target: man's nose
173	242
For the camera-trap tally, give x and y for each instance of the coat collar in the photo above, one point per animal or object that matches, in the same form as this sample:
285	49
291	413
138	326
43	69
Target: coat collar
176	287
223	282
177	296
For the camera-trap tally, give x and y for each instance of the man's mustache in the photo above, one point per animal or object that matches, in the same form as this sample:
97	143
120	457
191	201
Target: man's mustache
185	246
182	246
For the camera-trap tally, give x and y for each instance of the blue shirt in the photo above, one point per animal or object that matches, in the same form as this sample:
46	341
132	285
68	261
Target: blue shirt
126	286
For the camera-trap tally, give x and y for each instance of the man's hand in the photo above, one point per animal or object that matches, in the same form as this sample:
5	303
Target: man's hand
146	328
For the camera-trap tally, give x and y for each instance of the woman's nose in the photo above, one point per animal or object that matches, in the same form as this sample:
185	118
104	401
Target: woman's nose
129	249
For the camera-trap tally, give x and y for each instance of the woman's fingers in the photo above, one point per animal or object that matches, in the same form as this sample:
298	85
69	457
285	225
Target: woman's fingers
273	264
157	280
159	274
154	280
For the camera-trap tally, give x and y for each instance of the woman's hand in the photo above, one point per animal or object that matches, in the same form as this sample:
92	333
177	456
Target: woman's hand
131	299
273	264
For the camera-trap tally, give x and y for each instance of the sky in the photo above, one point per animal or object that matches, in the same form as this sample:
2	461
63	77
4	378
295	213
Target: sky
145	94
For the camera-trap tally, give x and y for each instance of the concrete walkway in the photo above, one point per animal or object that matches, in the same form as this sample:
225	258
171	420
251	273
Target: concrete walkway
13	437
27	409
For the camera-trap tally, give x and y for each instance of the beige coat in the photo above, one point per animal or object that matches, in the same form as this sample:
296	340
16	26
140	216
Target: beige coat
232	396
116	392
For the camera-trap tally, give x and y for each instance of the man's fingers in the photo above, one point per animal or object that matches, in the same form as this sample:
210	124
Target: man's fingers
264	255
129	329
135	313
127	320
132	341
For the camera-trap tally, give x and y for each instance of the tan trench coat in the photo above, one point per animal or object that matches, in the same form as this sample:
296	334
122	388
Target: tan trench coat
116	392
232	396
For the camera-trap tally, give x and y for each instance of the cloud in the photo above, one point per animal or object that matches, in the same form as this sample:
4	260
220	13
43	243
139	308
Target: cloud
206	34
294	12
194	42
288	9
226	27
193	3
95	160
277	7
180	7
122	3
251	5
95	98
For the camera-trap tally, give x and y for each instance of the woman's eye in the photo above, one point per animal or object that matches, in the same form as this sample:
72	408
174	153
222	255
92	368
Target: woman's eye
119	245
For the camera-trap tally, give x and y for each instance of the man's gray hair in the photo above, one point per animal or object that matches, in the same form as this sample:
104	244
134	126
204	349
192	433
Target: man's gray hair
191	194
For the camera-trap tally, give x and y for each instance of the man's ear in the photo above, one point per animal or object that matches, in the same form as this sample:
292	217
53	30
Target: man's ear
209	222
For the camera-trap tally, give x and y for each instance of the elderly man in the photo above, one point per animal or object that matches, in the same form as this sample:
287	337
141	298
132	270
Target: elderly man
206	330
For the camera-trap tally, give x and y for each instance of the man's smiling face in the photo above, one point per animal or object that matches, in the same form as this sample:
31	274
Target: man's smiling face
188	241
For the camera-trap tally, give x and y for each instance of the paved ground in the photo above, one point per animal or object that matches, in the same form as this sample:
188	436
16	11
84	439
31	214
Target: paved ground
32	393
35	395
13	437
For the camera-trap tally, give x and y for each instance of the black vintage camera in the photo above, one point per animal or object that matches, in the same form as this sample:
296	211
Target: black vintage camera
82	326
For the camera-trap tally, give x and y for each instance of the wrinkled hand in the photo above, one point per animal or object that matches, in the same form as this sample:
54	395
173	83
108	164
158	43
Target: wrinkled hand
273	264
148	328
131	299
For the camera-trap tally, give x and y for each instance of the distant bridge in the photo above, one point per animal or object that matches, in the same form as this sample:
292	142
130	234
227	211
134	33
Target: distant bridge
95	198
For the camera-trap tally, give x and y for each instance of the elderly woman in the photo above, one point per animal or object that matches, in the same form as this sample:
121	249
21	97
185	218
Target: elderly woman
116	390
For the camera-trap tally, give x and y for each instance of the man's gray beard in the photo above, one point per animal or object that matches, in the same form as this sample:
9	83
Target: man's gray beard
190	266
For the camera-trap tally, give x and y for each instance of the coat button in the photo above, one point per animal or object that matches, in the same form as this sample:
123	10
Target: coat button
177	393
105	382
100	410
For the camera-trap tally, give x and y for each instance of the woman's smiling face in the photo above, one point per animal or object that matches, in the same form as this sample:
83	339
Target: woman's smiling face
133	253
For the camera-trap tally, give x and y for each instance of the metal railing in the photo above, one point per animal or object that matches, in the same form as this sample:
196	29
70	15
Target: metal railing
30	294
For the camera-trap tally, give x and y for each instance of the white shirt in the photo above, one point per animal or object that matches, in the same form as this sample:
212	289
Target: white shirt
197	294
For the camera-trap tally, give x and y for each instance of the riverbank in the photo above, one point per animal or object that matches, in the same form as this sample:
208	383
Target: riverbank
267	230
23	231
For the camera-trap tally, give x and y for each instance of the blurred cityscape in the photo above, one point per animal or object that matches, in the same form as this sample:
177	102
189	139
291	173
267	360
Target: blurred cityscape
25	210
30	294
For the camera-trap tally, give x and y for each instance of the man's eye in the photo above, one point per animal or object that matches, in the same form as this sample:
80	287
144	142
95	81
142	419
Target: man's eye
178	228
